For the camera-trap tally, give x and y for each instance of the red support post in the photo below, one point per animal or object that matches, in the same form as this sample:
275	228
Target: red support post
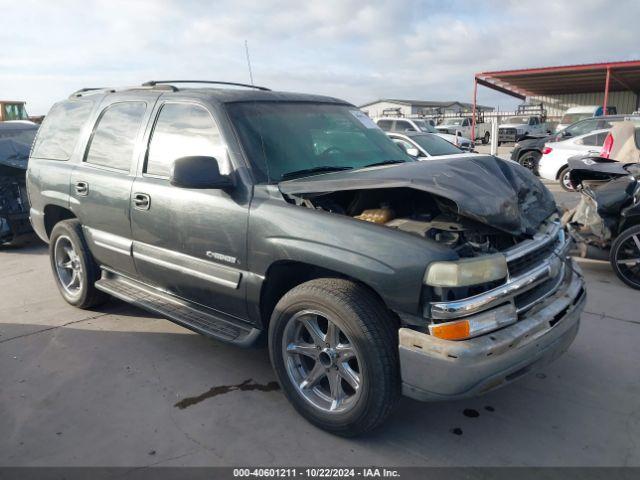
473	113
606	91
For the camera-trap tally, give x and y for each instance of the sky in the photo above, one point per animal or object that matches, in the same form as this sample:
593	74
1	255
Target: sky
355	50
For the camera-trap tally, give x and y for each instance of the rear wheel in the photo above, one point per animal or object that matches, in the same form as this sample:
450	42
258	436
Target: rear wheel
73	266
486	138
530	161
334	347
563	178
625	256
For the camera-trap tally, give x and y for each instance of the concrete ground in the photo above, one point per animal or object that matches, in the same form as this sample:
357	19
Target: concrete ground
100	388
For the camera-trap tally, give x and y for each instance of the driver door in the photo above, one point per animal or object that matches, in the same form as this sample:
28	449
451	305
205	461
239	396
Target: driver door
189	242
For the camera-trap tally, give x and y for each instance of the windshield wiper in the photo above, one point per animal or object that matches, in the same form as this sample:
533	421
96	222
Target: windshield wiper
312	171
385	162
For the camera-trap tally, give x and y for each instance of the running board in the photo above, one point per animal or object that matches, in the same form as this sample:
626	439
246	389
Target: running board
177	310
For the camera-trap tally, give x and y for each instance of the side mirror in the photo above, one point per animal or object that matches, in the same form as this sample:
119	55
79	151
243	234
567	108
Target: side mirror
458	133
198	172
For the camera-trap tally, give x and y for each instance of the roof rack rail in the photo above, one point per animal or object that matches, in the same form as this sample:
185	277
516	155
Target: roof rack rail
153	83
90	90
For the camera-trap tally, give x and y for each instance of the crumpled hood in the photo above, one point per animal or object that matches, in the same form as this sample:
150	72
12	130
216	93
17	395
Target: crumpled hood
484	188
521	126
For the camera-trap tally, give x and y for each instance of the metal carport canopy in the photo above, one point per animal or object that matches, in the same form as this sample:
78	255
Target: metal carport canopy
584	78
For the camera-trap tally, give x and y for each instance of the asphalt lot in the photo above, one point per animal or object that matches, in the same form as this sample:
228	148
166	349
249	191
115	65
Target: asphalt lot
100	388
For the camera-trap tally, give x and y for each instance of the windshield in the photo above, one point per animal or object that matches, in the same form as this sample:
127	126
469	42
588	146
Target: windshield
568	118
425	126
435	145
15	111
281	138
453	121
517	120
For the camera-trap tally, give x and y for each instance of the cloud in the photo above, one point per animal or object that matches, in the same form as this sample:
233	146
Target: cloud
425	49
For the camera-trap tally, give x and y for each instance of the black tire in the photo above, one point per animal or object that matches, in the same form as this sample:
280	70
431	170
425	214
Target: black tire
627	245
486	138
87	295
529	160
563	179
371	331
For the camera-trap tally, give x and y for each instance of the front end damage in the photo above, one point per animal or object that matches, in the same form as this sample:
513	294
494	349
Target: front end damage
609	202
512	300
14	204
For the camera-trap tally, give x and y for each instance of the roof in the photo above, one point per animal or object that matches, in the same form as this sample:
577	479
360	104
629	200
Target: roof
583	78
216	94
426	103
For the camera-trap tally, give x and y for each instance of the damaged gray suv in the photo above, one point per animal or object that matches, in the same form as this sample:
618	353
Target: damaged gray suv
242	213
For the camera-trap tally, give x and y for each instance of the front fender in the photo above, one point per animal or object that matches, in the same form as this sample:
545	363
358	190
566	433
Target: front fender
392	263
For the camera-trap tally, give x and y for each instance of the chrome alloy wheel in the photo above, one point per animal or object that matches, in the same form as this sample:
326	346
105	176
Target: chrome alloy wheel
627	256
68	266
322	362
566	181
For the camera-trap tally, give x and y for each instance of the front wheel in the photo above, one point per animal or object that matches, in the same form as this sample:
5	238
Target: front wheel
485	139
334	350
625	257
565	182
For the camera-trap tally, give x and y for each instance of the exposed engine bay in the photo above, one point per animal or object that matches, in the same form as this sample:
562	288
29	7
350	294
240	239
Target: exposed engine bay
417	213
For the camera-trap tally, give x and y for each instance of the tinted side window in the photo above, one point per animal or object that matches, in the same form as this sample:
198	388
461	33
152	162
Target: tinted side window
114	136
385	125
60	129
184	130
591	140
402	126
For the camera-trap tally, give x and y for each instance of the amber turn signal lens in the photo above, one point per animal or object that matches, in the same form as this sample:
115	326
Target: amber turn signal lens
451	330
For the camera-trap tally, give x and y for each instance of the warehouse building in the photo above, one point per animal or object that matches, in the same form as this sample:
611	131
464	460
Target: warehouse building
423	108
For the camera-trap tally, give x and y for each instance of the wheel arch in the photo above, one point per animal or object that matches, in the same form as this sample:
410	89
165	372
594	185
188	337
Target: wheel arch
284	275
54	214
560	170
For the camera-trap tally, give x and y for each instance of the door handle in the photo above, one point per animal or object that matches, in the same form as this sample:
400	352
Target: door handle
141	201
82	189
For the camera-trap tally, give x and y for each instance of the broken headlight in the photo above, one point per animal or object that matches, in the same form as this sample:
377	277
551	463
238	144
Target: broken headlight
465	272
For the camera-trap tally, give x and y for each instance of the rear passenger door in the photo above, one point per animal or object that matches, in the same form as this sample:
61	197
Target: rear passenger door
190	242
101	182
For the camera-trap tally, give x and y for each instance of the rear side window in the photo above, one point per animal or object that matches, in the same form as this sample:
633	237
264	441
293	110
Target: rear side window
58	135
402	126
114	136
595	140
385	125
184	130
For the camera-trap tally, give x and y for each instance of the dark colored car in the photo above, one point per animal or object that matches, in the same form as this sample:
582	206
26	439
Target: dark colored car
15	141
243	213
528	151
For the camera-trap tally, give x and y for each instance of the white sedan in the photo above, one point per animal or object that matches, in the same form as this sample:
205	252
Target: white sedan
553	163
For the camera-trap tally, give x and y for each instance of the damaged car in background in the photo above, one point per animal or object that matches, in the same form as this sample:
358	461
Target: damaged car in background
606	221
370	273
15	141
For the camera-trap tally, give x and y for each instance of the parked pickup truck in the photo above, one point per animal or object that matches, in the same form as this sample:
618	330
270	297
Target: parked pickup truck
515	128
462	126
243	213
